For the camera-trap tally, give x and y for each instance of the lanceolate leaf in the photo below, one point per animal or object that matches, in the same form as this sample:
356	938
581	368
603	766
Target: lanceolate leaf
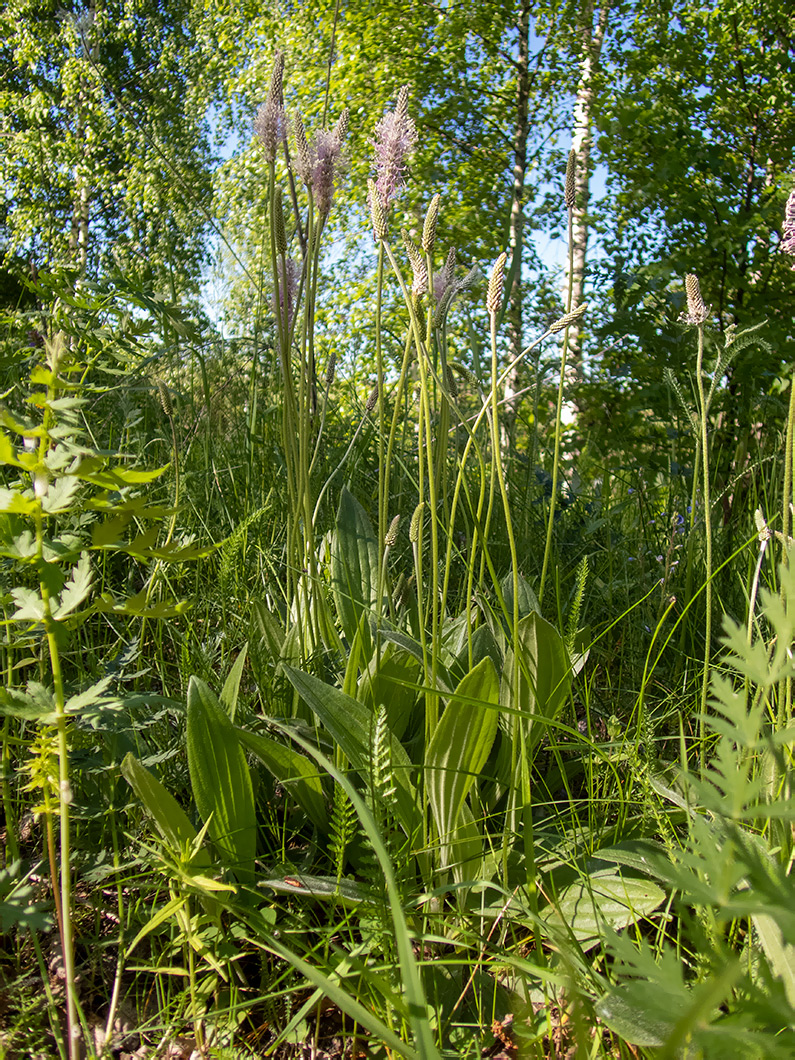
220	779
231	687
293	770
354	564
349	723
603	898
170	819
544	675
459	748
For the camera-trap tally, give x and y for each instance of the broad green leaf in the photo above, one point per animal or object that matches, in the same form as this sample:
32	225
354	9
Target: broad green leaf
220	779
639	1013
231	687
270	628
459	749
544	676
411	983
349	723
392	681
528	601
586	906
293	770
465	846
354	564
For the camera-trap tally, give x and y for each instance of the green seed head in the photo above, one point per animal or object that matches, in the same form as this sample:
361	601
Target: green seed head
416	523
496	285
429	228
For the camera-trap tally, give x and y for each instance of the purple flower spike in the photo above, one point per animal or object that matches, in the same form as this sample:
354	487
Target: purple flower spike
396	135
326	150
270	121
788	232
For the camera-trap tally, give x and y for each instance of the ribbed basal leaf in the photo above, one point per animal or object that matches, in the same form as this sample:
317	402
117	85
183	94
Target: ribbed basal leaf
354	563
220	779
586	906
349	723
391	680
292	770
544	675
459	748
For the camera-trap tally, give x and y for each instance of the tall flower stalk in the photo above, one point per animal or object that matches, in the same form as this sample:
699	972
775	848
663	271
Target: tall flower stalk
317	163
569	196
697	315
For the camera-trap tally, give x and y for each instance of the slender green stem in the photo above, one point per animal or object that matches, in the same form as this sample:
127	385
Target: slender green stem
703	412
558	417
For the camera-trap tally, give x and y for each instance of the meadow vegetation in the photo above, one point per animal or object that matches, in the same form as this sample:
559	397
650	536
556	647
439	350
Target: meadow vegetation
351	712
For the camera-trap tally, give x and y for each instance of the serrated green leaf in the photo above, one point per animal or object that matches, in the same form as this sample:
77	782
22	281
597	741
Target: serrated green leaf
119	477
37	704
30	606
76	589
137	605
16	503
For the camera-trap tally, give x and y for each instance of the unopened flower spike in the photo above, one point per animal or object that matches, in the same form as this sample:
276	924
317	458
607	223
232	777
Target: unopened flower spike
302	164
569	187
420	282
415	529
377	215
279	230
429	228
392	533
496	285
330	370
697	311
569	318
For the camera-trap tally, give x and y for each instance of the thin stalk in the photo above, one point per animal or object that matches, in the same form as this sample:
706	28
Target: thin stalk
50	625
558	415
703	410
785	686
